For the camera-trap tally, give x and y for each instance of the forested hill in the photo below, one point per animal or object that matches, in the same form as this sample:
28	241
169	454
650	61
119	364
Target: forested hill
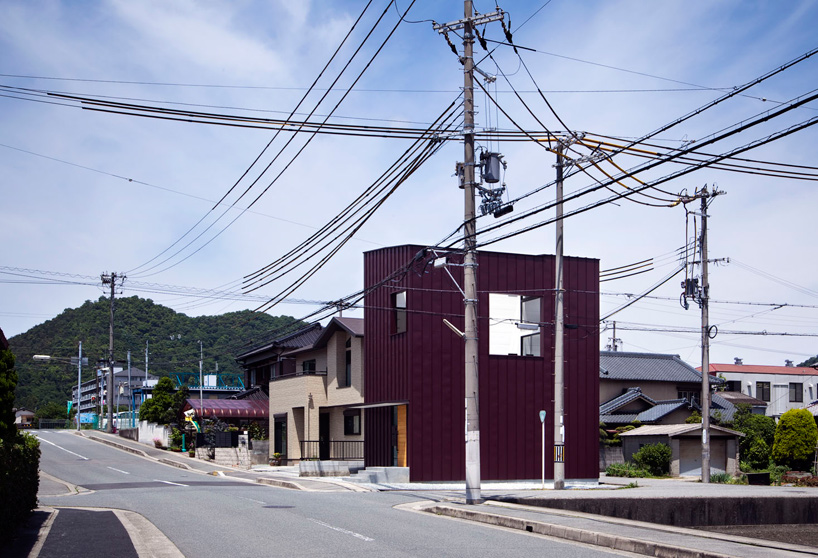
173	341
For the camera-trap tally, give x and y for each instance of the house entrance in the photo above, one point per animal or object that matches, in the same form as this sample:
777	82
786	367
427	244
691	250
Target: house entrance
323	437
399	436
280	434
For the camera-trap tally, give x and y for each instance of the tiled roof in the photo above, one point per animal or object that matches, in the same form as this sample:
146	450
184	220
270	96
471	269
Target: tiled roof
736	397
759	369
675	430
353	326
229	408
302	337
657	410
620	401
616	365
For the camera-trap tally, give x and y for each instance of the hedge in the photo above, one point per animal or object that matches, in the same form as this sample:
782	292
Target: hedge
19	481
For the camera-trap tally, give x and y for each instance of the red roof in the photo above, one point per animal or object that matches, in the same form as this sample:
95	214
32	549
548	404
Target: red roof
761	369
230	408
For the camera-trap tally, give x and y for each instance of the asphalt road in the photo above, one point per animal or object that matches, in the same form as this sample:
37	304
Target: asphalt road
210	516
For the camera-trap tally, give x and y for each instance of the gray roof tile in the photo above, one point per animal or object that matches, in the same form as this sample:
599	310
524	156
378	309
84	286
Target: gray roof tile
616	365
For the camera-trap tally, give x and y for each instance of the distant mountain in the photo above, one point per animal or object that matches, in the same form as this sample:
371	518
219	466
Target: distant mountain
173	343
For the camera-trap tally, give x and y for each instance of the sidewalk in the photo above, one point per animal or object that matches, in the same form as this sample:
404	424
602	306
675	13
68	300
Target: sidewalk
283	477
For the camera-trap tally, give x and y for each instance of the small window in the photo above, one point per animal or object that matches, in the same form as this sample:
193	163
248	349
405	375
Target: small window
763	391
688	395
796	393
399	310
308	366
352	422
346	381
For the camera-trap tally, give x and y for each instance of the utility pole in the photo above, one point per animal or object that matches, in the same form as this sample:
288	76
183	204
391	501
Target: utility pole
705	345
469	239
701	294
111	279
559	341
201	357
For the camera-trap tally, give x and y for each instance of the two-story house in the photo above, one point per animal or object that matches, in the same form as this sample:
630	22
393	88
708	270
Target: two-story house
314	377
415	363
781	387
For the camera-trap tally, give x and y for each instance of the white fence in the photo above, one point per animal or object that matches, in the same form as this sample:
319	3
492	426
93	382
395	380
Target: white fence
149	430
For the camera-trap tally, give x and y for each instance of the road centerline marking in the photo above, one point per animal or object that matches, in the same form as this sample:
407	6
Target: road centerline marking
62	448
340	530
119	471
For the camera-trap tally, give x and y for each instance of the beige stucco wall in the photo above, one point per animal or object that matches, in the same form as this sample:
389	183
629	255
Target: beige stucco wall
291	394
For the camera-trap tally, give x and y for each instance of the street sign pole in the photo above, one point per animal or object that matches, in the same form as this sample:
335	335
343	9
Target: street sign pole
542	422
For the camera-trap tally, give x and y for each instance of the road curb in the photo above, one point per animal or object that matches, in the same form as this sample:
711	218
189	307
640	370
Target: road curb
280	483
615	542
122	447
173	463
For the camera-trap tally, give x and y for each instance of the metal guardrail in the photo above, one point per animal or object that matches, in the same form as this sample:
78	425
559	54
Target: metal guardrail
337	450
52	424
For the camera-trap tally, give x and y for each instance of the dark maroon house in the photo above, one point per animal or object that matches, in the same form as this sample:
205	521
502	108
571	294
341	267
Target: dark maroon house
414	364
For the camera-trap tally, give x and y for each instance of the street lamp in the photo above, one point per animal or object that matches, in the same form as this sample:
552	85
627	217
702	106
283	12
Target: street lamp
79	361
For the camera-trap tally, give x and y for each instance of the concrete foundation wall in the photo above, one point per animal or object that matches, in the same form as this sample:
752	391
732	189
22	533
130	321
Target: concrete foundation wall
148	431
692	512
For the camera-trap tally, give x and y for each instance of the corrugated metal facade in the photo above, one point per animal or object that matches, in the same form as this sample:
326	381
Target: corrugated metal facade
424	366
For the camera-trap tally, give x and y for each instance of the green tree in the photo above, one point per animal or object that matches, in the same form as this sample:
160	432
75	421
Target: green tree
795	439
694	418
8	383
654	458
165	405
50	410
759	434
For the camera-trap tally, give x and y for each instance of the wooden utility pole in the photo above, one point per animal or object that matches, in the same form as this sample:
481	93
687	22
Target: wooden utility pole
111	279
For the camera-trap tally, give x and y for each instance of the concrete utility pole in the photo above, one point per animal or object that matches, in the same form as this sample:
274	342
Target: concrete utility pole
559	341
201	357
469	239
111	279
701	294
705	344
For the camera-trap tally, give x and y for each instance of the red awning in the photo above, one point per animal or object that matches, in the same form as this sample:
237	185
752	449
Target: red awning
230	408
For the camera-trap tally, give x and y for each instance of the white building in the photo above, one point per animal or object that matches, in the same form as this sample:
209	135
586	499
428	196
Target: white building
781	387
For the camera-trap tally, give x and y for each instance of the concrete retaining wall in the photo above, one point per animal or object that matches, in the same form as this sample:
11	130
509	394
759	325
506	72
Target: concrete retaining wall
227	457
129	433
608	455
328	468
691	512
148	431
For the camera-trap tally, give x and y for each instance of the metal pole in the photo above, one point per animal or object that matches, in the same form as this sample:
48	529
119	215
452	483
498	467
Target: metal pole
559	327
79	388
542	424
201	353
705	347
470	269
109	426
130	406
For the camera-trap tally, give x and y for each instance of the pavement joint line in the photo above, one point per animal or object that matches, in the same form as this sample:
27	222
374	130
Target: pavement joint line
653	526
45	529
626	544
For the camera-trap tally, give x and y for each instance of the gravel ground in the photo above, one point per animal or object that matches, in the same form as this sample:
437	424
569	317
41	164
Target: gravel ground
802	534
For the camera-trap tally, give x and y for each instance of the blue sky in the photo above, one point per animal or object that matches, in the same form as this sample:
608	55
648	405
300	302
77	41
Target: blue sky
86	192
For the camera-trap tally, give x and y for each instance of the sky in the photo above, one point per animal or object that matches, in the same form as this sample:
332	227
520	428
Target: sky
85	192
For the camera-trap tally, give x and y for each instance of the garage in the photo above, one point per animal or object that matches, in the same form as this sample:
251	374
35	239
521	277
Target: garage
685	441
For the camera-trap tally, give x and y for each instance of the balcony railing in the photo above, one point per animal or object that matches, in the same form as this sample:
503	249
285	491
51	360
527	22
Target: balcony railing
300	373
337	450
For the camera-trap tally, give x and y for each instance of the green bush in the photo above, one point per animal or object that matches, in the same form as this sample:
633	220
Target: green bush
759	434
175	438
19	481
627	470
257	431
795	439
655	458
721	478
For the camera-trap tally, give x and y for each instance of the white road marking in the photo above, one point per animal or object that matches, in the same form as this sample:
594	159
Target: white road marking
119	471
62	448
173	483
251	500
346	532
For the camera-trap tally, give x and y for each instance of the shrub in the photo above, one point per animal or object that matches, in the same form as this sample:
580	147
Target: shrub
721	478
257	431
175	438
759	430
795	439
694	418
655	458
19	480
627	470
